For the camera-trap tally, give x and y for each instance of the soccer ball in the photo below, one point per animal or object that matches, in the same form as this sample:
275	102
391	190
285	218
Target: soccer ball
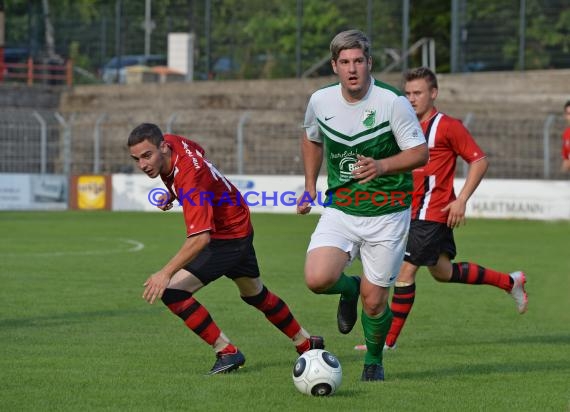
317	372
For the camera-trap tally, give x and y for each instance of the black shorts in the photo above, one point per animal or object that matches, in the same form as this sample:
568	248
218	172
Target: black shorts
233	258
427	240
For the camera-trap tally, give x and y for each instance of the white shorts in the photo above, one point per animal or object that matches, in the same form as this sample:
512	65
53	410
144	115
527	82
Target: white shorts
379	240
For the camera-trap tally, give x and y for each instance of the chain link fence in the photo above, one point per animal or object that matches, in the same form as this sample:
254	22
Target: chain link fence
480	36
246	143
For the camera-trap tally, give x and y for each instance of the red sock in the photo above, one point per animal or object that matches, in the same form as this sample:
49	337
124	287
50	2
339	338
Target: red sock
194	315
276	311
402	302
228	349
473	274
303	347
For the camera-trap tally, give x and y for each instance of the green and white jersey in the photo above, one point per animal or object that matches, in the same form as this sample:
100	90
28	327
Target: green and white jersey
380	125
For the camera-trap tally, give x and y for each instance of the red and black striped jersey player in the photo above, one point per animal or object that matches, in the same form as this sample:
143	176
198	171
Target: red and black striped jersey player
436	210
219	242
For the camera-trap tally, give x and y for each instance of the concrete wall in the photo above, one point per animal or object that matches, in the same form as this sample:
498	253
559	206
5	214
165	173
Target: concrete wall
21	96
495	93
491	93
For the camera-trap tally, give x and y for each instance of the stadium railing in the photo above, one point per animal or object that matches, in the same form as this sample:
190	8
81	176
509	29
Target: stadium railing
48	142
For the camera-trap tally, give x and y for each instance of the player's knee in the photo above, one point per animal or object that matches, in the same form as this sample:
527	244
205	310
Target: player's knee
374	306
317	283
373	309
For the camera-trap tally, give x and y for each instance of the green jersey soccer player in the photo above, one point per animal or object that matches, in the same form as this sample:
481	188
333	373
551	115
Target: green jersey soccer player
371	139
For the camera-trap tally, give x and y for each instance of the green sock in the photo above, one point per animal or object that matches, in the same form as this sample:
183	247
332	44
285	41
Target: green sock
346	286
375	332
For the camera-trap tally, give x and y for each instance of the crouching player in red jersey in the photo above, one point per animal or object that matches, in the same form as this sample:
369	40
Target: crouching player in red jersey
219	242
436	211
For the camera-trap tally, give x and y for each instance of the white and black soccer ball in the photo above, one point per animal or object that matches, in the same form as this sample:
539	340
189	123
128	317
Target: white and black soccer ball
317	372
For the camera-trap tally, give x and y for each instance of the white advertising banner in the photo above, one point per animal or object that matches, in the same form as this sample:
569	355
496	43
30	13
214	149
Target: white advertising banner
19	191
519	199
276	194
494	198
135	192
269	194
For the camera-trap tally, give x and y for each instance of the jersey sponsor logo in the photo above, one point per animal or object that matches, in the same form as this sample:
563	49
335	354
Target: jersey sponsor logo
191	155
327	118
346	166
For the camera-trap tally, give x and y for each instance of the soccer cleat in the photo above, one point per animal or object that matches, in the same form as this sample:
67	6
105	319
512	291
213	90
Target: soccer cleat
313	342
518	293
227	362
373	372
346	314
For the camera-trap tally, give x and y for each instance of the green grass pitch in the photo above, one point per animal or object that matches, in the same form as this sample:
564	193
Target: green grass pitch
75	333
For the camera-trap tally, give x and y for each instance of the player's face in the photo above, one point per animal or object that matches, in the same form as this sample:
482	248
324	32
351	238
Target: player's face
353	70
421	96
567	114
149	158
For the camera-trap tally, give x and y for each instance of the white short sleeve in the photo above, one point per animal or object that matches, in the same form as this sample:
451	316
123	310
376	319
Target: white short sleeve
311	125
405	124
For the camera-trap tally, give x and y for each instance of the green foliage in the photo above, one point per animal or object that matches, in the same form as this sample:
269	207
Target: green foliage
547	30
259	37
431	18
278	43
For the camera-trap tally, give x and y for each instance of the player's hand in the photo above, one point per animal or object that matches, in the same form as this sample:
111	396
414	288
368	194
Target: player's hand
166	207
305	201
456	213
366	169
154	287
164	202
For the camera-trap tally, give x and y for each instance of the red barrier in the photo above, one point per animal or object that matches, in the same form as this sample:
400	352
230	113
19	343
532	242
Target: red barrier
30	72
1	63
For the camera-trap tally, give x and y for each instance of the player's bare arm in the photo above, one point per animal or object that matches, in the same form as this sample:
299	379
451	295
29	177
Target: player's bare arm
456	209
368	168
156	284
312	160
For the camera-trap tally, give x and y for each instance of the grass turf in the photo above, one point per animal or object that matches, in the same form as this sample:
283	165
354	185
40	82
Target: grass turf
75	333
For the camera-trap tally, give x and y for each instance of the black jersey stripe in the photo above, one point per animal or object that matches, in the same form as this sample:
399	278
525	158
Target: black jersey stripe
426	178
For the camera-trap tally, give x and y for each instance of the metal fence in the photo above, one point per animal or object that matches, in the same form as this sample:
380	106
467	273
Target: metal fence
46	142
482	36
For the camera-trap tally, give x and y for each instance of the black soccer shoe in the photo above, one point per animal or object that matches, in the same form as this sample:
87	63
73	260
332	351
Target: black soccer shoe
346	314
373	372
227	362
315	342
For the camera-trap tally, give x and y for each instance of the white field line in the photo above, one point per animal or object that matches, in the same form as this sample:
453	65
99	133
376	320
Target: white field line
135	246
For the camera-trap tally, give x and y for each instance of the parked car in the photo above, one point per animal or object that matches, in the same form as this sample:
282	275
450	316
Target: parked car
118	65
16	55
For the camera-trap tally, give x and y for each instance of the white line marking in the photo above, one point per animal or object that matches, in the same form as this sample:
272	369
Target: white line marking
135	246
